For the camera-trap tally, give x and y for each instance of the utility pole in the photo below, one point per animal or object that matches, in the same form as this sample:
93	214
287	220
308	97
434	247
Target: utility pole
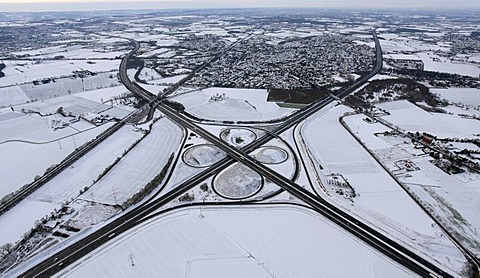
114	194
74	142
130	258
203	201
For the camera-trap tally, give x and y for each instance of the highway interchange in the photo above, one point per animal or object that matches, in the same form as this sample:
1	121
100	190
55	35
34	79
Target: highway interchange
129	219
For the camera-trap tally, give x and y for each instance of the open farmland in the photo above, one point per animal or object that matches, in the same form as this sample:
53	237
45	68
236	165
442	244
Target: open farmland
80	174
20	72
237	242
12	96
139	166
21	218
451	198
380	200
246	142
23	155
411	118
235	105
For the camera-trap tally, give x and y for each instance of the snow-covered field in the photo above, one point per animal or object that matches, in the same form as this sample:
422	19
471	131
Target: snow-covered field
19	72
468	96
238	137
444	65
239	105
202	155
67	86
271	241
380	200
139	166
102	95
21	218
32	127
412	118
34	159
76	105
69	182
12	96
399	46
451	198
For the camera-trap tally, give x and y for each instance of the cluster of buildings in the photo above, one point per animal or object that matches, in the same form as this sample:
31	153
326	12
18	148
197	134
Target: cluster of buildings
190	52
293	64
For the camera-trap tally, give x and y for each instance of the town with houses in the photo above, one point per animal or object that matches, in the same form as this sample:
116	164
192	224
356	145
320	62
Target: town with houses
240	143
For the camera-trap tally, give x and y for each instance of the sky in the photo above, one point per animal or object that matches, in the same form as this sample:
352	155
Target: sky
65	5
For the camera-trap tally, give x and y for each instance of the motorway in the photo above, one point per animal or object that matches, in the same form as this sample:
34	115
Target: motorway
57	261
349	223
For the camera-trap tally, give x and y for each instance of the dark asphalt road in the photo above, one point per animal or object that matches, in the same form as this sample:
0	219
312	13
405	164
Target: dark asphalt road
135	216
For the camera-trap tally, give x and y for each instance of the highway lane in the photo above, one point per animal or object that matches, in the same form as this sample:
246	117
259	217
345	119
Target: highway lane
354	226
349	223
357	228
59	260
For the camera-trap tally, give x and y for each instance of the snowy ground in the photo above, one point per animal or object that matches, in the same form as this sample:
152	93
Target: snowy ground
271	155
12	96
468	96
380	201
21	218
69	182
19	72
452	198
139	166
102	95
237	182
34	159
441	64
411	118
202	155
239	105
236	242
238	137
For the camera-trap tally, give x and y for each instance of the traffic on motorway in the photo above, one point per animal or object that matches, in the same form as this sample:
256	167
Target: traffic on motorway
131	218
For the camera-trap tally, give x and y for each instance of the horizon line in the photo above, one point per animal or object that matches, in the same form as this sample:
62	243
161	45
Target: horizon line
420	9
149	5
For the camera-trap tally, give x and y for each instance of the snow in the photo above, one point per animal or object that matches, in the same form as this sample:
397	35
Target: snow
19	72
73	104
139	166
67	86
451	198
237	182
169	80
412	118
403	57
102	94
465	127
69	182
381	77
380	201
445	65
12	96
271	155
202	155
21	218
239	105
32	127
367	130
468	96
34	159
238	137
262	240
